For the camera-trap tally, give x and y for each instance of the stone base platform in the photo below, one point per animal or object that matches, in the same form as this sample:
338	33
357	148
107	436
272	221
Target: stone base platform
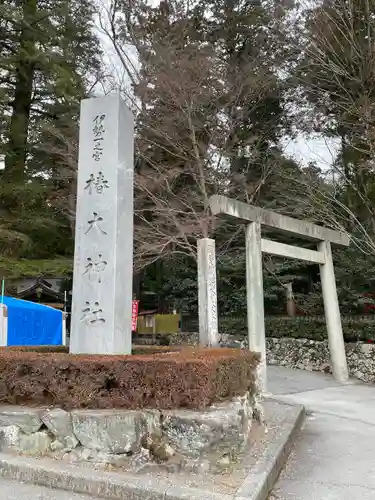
250	478
195	441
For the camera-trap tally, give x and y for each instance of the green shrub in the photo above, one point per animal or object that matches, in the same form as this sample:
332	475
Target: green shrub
315	329
37	348
146	349
153	349
302	327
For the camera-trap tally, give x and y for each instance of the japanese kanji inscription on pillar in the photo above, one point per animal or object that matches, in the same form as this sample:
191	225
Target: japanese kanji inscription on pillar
103	261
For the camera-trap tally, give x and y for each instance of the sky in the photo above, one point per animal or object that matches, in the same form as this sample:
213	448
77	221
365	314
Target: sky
315	148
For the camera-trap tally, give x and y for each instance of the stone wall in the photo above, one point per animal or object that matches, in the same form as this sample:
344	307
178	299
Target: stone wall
196	441
303	354
314	356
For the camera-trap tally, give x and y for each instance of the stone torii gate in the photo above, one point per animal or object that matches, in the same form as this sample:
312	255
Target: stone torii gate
255	218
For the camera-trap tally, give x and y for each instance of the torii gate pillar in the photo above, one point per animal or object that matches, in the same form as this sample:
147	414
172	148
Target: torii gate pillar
255	218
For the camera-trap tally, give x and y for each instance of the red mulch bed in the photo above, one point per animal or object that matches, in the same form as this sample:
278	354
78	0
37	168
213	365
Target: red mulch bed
190	378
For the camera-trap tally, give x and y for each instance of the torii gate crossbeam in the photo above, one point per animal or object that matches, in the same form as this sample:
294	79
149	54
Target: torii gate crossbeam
255	218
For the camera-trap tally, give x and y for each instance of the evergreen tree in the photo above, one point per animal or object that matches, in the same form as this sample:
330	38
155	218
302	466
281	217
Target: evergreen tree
49	59
337	76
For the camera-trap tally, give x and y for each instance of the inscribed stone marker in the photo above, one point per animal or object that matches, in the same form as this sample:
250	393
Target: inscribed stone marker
207	293
103	260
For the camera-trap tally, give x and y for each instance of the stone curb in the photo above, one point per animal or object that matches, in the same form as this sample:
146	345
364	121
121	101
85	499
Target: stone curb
260	482
116	486
108	485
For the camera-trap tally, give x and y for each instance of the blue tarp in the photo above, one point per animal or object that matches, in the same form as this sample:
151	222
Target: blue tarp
30	323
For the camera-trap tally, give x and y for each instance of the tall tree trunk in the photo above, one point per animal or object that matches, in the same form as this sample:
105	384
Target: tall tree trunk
15	158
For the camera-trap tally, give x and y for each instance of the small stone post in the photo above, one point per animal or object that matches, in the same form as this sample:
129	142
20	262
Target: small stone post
207	293
290	302
255	300
103	260
332	314
3	325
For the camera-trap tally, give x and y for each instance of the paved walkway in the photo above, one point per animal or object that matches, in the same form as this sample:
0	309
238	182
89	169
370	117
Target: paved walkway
334	458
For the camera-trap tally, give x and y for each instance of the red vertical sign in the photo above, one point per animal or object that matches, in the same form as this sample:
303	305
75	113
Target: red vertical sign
135	305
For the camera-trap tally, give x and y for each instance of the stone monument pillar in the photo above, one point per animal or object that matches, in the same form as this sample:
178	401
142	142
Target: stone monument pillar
207	293
103	260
